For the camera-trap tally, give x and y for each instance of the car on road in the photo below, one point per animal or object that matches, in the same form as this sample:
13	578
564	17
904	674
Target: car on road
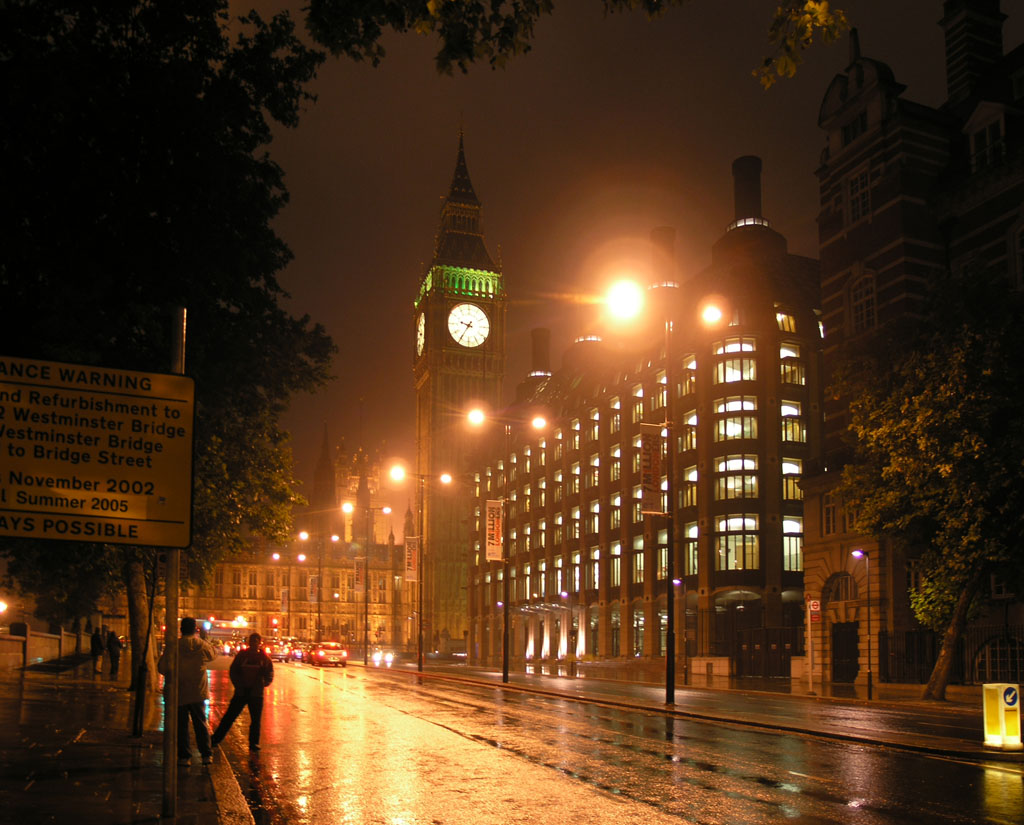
280	650
382	658
329	653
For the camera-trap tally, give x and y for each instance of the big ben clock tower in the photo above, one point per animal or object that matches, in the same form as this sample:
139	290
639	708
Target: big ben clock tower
459	318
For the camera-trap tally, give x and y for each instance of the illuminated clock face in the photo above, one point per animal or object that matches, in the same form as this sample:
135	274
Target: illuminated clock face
421	333
468	325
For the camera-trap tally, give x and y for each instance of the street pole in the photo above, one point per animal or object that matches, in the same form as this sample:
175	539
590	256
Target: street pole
867	569
419	579
366	588
505	589
173	574
319	583
670	625
858	553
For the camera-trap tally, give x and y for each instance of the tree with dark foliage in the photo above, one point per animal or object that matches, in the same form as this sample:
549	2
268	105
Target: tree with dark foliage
136	179
939	450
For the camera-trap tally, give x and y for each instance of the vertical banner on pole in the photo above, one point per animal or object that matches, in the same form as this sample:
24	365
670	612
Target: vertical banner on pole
313	582
493	531
360	581
284	600
412	558
650	469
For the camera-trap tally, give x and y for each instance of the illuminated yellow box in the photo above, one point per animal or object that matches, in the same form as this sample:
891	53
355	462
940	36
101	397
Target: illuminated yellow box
1001	712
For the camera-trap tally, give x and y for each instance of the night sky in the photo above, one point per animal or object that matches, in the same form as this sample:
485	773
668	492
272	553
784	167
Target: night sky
609	127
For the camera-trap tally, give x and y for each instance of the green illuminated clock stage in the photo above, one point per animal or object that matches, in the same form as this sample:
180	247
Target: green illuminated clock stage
468	325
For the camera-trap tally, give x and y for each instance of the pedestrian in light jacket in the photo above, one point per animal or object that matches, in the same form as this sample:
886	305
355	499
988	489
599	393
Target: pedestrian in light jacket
193	690
251	671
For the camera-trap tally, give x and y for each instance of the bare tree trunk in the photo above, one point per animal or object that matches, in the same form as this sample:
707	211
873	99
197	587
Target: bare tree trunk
140	617
936	687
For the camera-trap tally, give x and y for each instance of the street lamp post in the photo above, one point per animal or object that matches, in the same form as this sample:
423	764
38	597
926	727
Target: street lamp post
348	507
300	558
366	591
670	567
861	554
571	636
625	300
506	589
304	536
398	473
419	575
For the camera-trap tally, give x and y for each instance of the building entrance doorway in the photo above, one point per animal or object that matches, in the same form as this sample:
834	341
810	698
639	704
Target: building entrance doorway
845	651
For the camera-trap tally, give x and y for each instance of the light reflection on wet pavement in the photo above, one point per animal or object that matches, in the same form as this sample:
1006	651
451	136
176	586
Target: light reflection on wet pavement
351	746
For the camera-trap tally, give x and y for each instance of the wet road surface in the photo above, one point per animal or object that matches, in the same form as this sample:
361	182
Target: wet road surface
360	747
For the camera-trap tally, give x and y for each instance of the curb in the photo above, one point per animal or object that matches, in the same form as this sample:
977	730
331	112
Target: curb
232	809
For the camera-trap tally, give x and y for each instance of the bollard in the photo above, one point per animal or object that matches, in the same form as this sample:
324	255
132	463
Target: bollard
1001	716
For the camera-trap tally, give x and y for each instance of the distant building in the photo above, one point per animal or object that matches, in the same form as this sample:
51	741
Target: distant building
587	566
906	191
314	588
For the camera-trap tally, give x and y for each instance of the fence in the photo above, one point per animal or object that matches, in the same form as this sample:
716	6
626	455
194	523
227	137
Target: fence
983	654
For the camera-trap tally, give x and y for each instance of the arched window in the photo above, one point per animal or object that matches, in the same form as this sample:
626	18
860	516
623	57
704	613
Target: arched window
840	587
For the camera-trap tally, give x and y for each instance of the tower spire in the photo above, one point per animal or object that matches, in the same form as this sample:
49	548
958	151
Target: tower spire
461	190
460	241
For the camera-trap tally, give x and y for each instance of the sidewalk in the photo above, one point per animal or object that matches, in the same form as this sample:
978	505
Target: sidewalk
68	755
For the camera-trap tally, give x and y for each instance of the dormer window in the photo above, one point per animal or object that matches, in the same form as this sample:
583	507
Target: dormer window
987	147
855	128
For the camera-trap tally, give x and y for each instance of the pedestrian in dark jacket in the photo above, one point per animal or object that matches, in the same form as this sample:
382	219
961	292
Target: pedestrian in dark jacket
113	652
96	650
250	672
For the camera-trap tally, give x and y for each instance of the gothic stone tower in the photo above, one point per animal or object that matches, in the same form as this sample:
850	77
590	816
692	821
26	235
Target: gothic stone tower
459	358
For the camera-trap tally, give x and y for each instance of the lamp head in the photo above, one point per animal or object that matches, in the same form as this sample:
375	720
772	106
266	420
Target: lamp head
858	554
625	299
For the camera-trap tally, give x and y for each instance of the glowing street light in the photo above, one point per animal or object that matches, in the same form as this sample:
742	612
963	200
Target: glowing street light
711	314
625	299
